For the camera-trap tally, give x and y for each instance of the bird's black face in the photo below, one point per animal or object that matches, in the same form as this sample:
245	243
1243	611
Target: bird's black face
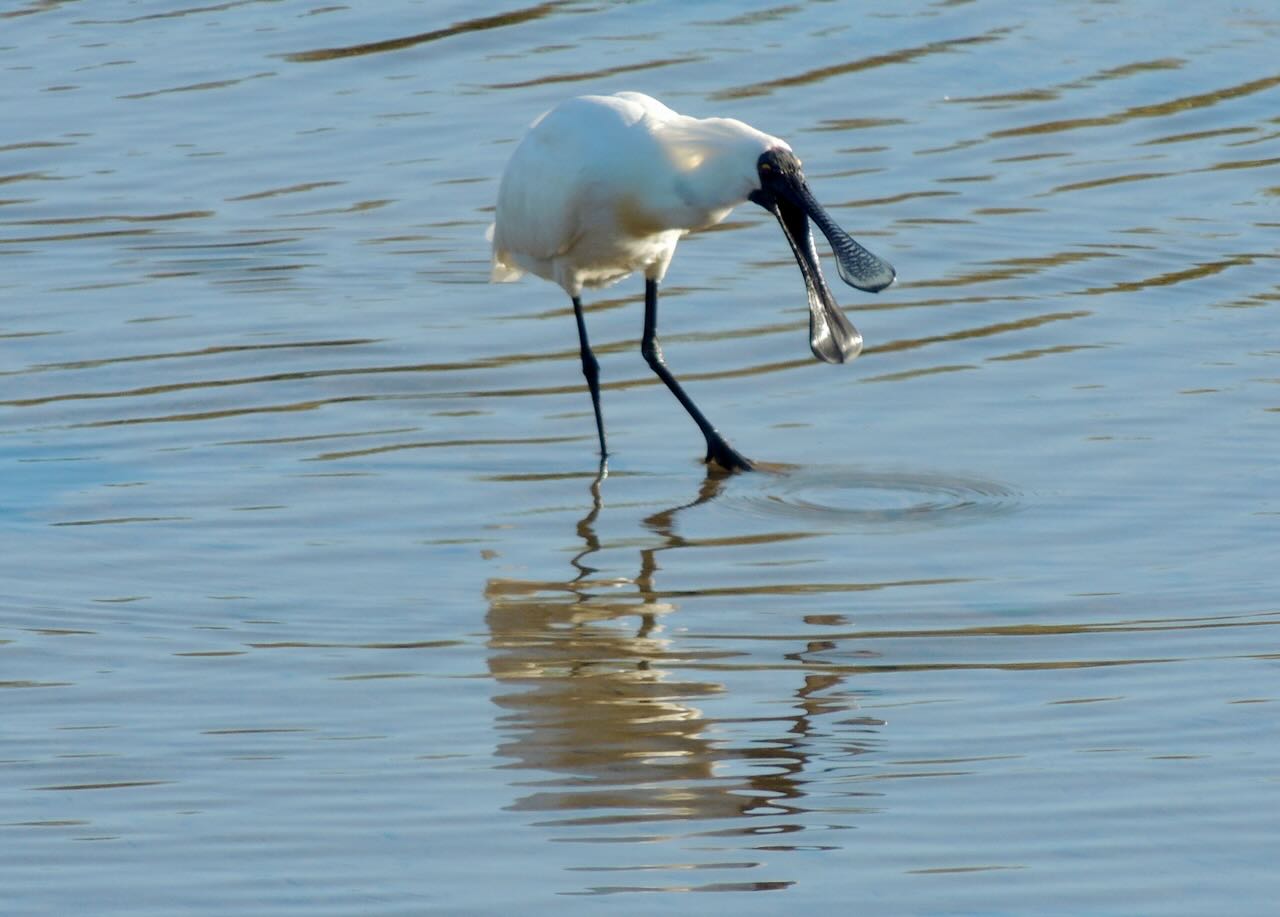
784	193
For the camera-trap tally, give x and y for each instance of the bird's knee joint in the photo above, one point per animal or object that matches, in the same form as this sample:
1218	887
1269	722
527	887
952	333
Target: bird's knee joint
652	353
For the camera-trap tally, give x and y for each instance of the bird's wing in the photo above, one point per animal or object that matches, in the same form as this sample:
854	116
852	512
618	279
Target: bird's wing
637	105
539	214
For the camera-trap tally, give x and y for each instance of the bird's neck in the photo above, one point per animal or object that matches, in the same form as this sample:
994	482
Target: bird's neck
707	191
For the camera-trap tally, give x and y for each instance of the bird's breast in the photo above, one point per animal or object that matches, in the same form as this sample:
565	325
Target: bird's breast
637	218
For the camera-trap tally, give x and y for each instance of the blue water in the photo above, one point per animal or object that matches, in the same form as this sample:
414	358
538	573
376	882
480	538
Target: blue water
314	600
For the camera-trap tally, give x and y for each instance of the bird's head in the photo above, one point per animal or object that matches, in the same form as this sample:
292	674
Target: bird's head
784	193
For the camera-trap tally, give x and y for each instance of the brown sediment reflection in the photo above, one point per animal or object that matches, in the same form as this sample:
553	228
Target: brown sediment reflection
116	218
571	385
901	56
213	350
596	74
478	24
198	87
1155	110
995	328
1050	94
1195	272
1008	268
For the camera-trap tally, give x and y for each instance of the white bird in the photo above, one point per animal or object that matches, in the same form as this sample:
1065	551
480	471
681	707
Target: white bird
604	186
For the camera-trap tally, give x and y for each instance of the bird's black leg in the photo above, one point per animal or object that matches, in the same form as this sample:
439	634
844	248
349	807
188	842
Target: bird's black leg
590	369
718	450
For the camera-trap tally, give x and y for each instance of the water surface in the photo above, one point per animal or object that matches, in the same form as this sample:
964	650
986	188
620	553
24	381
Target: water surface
315	601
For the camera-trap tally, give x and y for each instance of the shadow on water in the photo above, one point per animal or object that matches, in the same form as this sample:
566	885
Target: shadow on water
601	702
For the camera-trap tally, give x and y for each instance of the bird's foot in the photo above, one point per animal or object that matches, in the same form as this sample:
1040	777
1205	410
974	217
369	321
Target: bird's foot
722	454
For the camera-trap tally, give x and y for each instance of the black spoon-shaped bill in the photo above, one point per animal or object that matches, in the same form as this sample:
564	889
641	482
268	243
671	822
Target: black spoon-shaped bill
858	267
784	193
832	337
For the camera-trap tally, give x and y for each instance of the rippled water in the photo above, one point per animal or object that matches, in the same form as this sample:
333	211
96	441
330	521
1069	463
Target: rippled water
313	598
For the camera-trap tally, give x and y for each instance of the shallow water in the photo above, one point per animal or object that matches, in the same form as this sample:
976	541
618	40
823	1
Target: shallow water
315	602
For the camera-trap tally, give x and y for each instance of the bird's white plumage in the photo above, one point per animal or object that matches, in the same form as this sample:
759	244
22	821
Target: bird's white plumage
603	186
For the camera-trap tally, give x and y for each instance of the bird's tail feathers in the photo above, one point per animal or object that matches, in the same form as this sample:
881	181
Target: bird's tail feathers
503	269
502	272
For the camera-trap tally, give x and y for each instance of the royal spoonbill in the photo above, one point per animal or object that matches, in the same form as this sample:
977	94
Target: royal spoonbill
604	186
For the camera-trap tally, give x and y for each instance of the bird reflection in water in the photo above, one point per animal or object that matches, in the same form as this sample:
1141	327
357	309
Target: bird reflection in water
602	701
